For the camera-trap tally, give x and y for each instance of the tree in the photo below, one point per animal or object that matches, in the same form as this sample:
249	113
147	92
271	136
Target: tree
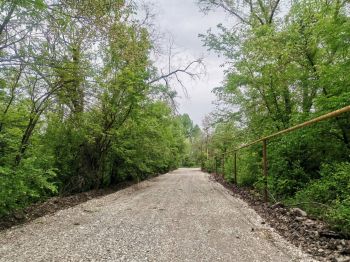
285	70
81	104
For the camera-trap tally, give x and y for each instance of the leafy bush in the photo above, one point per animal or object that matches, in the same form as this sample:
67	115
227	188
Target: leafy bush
209	165
24	185
339	214
329	197
248	167
228	172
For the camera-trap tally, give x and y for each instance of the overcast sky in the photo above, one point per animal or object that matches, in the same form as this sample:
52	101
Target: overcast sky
184	21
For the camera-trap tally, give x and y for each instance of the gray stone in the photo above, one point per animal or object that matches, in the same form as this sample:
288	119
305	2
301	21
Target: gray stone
298	212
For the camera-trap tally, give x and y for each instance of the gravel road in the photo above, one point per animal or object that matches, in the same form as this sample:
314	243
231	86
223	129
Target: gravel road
180	216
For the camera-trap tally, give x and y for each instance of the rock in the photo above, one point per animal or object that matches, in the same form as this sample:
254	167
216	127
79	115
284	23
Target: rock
298	212
342	259
294	225
295	235
316	233
277	205
309	222
345	251
330	234
332	246
300	219
19	215
343	247
282	211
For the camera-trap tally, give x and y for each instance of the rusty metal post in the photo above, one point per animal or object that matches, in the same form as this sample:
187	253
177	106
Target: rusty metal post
223	165
266	198
285	131
235	167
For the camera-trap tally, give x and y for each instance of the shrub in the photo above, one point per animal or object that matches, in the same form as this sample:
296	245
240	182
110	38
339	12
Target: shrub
329	197
24	185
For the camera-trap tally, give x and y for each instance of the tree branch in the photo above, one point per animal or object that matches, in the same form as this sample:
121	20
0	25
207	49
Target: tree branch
184	70
7	18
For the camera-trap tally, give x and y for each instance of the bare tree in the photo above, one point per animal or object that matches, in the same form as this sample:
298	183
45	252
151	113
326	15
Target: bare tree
176	71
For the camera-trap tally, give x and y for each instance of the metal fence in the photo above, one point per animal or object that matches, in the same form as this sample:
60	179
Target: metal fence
264	141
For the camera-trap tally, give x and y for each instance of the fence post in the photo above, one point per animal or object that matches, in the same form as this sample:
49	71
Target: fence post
265	170
223	165
235	167
216	165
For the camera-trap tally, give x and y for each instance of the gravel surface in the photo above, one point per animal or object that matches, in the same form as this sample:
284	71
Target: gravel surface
314	236
180	216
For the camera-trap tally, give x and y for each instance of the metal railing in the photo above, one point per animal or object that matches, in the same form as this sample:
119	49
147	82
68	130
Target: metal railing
265	139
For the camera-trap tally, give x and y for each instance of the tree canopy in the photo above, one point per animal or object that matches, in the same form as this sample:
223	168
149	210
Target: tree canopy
81	103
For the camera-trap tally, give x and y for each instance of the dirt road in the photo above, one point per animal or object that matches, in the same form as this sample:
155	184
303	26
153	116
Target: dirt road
180	216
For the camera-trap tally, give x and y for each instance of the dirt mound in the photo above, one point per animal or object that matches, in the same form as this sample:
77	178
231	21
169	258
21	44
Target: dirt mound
55	204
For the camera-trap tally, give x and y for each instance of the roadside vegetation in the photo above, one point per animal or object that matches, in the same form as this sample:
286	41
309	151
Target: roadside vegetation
287	63
193	142
82	105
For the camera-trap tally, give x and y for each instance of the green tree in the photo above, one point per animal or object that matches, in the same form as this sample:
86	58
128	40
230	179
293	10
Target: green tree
285	70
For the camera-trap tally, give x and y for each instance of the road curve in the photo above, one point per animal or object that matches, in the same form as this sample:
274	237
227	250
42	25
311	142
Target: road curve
180	216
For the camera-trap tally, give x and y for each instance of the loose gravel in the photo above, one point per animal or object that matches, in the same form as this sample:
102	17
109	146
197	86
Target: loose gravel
180	216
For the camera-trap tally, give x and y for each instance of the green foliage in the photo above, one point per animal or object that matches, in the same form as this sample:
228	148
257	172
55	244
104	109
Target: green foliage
65	141
150	143
338	216
26	184
76	105
193	145
249	167
331	190
283	71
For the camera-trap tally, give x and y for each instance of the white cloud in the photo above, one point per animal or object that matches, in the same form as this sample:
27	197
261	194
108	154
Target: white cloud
183	20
